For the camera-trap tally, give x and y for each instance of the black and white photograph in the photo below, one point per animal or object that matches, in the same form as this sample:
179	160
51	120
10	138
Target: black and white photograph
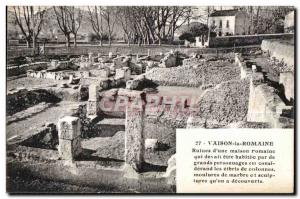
99	98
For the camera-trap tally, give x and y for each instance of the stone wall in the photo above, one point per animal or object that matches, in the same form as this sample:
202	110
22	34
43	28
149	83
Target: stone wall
23	99
280	49
243	40
266	106
47	75
104	50
18	70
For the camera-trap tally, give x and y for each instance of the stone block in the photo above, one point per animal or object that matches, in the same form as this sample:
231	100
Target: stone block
69	128
69	149
123	73
195	122
84	74
254	69
103	73
54	63
131	94
168	61
94	92
170	174
104	83
93	107
151	144
134	140
287	80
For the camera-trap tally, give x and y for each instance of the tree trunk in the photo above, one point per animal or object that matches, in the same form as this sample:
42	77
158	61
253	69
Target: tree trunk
109	40
68	41
128	40
33	45
100	42
75	40
28	44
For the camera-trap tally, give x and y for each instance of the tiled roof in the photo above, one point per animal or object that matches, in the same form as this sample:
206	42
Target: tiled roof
220	13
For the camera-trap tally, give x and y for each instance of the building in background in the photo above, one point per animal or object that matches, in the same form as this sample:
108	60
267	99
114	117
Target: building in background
289	22
229	22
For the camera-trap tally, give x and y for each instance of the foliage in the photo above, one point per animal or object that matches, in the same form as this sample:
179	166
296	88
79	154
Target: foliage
187	36
194	30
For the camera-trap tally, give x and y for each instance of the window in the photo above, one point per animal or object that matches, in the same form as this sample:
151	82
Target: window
227	24
220	24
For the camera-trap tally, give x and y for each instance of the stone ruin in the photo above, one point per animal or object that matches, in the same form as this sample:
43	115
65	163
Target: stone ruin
265	105
123	76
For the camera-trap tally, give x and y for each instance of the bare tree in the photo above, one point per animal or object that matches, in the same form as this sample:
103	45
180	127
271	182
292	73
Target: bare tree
152	24
75	17
64	21
29	20
126	20
180	16
109	15
96	19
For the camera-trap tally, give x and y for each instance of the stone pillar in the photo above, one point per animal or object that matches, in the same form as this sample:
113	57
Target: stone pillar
134	124
127	73
110	55
93	102
90	57
69	137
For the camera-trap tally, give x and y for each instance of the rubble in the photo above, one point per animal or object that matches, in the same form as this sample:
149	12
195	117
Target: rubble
226	103
211	73
168	61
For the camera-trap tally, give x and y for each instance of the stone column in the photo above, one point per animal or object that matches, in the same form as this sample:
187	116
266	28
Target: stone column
90	57
110	55
69	137
134	124
93	102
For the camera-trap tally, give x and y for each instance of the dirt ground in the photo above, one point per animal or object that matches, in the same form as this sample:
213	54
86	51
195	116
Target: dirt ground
27	82
23	183
50	115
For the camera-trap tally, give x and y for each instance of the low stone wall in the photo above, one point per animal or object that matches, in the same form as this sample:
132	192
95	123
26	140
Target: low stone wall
280	49
18	70
245	70
266	106
47	75
23	99
243	40
141	50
